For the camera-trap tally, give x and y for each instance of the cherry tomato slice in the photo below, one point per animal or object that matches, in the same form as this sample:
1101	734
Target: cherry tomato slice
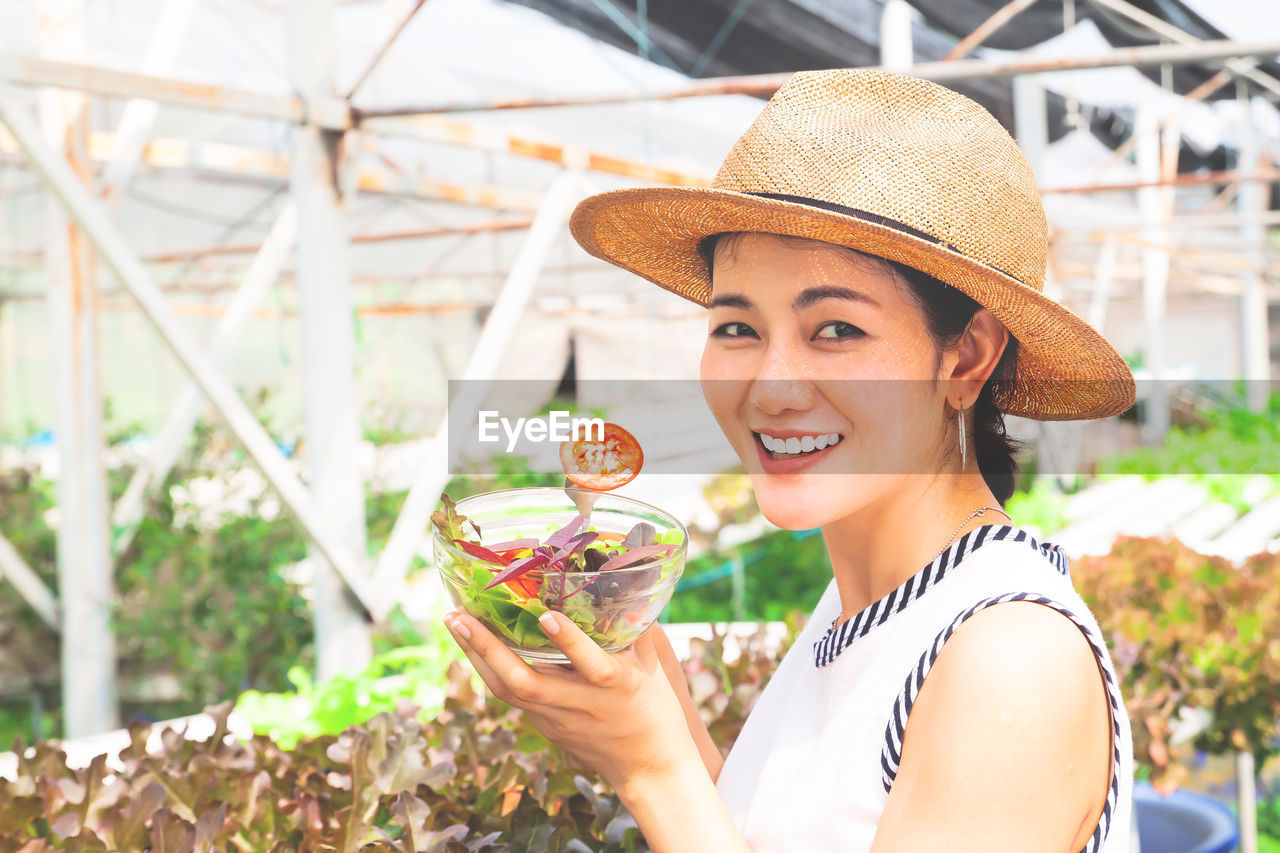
602	465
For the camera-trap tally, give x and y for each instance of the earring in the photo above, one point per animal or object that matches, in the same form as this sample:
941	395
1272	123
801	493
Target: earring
964	450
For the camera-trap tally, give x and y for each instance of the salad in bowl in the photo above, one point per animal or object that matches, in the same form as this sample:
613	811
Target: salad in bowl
508	556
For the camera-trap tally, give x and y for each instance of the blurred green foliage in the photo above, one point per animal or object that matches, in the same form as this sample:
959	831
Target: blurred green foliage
410	673
1221	445
782	575
1189	631
1269	825
205	608
1042	506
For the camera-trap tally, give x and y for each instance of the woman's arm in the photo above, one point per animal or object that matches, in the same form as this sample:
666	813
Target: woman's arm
711	757
618	714
1008	745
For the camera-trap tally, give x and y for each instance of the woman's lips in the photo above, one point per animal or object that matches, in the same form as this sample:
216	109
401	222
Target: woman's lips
789	464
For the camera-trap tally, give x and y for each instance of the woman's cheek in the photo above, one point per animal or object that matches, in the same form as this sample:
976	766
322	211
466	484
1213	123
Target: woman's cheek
723	387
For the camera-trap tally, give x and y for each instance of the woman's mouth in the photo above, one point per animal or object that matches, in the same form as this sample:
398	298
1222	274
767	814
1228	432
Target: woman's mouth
789	454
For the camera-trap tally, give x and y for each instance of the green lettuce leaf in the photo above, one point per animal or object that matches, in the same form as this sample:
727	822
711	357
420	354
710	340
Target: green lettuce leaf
450	523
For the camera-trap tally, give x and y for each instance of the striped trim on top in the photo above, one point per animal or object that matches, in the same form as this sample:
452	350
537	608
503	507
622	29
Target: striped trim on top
833	642
891	753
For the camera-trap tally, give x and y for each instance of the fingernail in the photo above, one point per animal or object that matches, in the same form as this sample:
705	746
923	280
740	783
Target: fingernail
460	629
549	623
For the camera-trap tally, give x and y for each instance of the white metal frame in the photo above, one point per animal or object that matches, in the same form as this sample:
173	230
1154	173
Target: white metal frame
330	512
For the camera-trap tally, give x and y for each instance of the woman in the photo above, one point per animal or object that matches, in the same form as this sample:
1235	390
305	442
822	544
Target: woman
872	254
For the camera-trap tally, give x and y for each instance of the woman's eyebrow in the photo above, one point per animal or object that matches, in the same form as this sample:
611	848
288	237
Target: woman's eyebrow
730	300
812	295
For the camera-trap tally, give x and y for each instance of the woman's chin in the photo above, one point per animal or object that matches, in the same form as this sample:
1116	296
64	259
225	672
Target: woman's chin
796	506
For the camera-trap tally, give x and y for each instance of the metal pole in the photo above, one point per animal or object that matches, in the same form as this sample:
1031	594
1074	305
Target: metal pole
1167	30
439	130
895	36
482	365
172	438
89	702
1185	179
1154	205
385	237
140	114
28	583
987	28
92	216
1031	120
1255	338
764	85
5	346
1103	278
189	94
1247	797
400	12
344	643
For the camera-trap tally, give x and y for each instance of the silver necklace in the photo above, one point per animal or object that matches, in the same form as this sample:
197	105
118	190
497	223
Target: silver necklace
977	513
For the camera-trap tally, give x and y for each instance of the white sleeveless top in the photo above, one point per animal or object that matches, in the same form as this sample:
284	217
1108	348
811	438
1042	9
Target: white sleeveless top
818	754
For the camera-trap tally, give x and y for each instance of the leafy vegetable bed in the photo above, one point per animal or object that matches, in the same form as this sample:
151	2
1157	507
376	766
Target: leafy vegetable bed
475	777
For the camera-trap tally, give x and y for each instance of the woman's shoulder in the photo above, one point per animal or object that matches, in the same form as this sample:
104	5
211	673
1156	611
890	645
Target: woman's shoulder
1010	682
1011	648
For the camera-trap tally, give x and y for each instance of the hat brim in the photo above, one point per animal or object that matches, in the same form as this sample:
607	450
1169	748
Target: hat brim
1065	369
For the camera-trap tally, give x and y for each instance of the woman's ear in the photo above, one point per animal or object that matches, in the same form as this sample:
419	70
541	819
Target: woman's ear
979	351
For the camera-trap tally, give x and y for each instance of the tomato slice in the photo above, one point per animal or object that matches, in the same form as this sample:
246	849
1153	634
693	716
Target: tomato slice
602	465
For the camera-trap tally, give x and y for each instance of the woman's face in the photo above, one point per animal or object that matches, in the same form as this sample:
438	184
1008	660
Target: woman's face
801	335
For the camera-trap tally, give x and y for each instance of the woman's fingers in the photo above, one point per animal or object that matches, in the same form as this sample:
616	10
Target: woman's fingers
592	662
508	676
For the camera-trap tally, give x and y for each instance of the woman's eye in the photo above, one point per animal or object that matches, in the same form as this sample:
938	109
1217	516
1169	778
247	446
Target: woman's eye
840	331
734	330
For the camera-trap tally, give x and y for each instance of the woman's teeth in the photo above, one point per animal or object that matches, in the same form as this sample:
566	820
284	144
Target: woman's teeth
798	445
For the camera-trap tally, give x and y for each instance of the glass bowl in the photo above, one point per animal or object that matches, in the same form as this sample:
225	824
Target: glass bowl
613	606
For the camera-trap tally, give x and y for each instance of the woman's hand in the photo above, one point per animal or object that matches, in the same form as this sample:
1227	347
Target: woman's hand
617	713
620	715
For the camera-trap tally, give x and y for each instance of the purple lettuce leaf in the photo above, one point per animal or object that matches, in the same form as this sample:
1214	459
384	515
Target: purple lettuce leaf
594	559
561	536
634	555
574	545
643	533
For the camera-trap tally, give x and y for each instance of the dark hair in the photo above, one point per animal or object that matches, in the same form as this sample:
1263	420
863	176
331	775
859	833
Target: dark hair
948	313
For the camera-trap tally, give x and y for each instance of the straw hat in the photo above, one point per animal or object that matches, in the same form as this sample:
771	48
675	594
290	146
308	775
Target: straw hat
896	167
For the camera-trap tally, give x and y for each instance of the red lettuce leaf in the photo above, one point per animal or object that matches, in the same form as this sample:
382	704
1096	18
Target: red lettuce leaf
518	568
516	544
482	553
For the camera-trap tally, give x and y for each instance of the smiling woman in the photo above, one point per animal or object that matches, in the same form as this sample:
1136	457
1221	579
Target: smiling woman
872	257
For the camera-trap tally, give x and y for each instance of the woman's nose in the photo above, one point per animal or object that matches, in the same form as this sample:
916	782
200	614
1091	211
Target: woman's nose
782	381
